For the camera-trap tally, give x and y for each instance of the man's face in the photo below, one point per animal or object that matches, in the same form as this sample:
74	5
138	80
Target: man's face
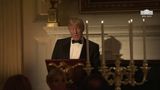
75	31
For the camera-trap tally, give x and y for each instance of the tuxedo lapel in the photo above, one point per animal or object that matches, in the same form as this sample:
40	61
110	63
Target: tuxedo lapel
66	47
83	52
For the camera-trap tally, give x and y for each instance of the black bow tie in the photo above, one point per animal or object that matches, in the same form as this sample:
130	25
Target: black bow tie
77	41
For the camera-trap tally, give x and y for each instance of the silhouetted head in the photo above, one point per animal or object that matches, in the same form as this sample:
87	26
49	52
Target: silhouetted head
17	82
56	79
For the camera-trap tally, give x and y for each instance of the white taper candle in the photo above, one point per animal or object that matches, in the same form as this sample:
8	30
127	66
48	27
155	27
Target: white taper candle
87	44
131	38
144	41
102	37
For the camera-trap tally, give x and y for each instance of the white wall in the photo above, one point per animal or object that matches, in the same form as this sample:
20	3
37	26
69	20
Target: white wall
32	29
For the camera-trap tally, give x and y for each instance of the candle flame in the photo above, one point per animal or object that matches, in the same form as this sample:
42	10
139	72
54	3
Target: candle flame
131	20
143	20
102	21
86	21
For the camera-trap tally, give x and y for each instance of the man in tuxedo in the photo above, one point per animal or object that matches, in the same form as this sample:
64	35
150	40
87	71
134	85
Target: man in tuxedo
74	47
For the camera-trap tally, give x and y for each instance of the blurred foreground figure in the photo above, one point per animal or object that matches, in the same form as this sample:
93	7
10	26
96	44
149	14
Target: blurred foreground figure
56	80
17	82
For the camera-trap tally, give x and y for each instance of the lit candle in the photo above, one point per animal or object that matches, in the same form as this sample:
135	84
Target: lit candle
131	39
87	45
102	37
144	41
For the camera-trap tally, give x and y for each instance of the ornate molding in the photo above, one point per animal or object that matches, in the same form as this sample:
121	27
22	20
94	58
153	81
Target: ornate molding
111	30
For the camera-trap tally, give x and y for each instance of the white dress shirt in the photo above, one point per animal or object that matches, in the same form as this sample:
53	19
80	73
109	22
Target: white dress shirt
75	50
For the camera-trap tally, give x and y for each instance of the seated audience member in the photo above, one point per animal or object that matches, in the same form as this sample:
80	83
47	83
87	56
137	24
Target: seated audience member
17	82
95	82
56	79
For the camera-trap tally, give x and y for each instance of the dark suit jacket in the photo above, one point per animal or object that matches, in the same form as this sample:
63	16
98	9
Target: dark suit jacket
62	51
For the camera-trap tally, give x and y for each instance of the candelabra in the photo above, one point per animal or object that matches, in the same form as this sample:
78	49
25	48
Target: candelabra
119	75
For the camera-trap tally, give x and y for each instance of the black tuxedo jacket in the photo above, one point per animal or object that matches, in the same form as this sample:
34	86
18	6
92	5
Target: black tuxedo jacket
62	51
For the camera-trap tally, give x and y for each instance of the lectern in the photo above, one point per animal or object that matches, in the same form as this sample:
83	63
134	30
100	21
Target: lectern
73	69
64	64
